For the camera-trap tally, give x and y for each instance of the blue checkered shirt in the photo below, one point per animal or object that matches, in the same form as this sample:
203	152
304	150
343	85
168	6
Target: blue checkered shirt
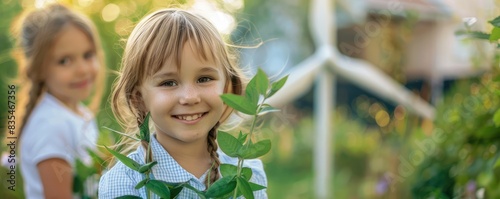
121	180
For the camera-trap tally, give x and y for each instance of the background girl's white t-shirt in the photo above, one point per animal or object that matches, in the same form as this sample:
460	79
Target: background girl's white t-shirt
54	131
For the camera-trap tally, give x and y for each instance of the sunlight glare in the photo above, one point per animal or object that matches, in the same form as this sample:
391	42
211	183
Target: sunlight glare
224	22
110	12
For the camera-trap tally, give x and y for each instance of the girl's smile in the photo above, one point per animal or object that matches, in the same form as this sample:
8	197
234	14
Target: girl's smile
81	84
190	118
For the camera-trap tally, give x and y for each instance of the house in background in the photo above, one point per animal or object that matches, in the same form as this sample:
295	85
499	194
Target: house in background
415	41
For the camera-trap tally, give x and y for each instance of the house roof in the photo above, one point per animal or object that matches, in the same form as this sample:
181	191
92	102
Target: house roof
427	9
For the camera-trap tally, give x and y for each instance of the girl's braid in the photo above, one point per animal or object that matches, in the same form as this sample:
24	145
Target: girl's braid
212	149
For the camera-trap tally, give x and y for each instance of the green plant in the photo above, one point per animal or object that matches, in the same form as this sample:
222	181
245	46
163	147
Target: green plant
235	180
469	121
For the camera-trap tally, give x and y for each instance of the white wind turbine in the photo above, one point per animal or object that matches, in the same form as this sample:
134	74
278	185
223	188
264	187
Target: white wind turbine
323	66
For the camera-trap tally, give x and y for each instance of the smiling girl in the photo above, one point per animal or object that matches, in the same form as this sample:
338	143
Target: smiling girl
175	67
60	61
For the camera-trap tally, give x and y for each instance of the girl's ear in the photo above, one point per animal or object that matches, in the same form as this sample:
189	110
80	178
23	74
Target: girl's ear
138	101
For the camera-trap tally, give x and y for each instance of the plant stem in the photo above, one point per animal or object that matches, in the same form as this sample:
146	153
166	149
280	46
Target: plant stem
259	108
247	144
240	167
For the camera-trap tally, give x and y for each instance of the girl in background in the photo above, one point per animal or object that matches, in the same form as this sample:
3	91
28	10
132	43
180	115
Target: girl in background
175	66
60	61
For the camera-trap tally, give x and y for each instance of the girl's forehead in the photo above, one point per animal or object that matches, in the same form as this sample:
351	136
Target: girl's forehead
71	39
190	57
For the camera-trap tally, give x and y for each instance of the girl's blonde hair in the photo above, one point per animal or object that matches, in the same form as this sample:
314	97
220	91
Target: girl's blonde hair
36	32
156	40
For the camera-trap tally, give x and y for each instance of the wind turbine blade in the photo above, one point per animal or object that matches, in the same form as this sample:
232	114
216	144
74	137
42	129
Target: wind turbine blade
322	22
373	80
300	80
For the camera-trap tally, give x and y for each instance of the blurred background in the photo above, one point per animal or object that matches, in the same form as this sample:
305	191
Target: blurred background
445	146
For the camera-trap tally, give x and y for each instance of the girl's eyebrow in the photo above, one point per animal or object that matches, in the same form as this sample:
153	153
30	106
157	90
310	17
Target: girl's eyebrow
209	69
206	69
163	75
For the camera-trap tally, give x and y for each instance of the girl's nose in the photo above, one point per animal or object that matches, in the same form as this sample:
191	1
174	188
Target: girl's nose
86	67
83	67
189	96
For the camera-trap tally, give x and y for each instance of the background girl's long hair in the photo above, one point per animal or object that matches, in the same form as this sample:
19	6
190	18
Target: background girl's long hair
35	32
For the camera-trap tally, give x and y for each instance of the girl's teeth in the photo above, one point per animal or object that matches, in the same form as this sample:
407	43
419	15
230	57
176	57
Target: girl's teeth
189	117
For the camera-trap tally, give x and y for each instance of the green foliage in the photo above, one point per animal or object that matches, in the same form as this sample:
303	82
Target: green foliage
492	37
495	22
240	103
222	187
467	160
495	34
243	147
125	160
474	34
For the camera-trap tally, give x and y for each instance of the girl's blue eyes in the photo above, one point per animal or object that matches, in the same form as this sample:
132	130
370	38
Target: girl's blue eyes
171	83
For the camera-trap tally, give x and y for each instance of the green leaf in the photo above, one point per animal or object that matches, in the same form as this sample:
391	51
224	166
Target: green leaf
246	173
256	187
496	118
221	187
242	137
255	150
495	22
276	86
136	138
96	157
251	92
262	82
474	34
125	160
147	167
266	108
141	183
228	144
83	171
497	164
227	170
77	184
495	34
239	103
144	129
175	191
200	194
128	197
245	188
159	188
175	188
